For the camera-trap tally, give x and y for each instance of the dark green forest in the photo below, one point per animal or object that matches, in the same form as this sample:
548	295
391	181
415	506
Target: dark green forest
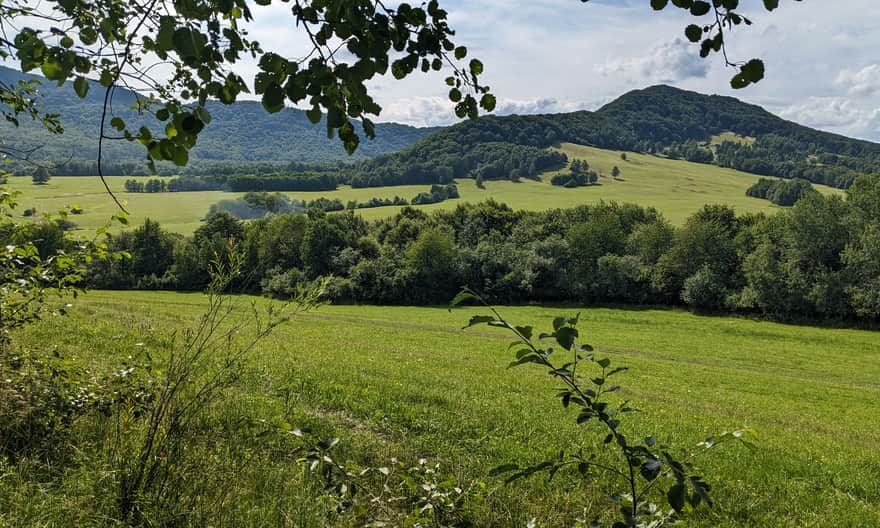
781	192
239	133
819	259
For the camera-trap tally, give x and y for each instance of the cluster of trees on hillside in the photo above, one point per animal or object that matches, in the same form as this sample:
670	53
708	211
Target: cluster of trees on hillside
691	151
780	192
377	202
437	194
445	157
153	185
774	155
260	204
578	175
818	259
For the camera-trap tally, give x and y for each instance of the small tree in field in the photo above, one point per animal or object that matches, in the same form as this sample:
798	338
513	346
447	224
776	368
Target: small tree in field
41	176
615	172
623	156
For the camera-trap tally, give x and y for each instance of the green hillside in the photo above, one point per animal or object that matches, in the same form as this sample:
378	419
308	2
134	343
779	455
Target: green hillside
676	188
241	132
660	119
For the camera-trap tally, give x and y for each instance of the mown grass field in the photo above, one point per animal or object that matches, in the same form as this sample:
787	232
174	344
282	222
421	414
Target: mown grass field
406	382
676	188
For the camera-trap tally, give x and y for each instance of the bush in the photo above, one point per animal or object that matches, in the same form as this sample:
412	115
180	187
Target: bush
705	290
282	284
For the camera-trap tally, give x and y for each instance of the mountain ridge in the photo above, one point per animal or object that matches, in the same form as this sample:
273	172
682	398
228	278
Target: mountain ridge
657	120
239	133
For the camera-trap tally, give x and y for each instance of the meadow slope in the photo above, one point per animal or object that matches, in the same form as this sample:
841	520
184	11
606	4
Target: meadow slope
676	188
406	382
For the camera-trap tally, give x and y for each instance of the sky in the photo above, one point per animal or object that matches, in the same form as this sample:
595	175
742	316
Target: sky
544	56
549	56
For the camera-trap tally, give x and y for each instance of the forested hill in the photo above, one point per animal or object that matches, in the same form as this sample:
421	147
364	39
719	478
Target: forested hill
660	119
242	132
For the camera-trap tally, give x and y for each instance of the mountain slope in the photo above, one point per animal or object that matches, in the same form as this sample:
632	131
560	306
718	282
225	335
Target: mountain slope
242	132
660	119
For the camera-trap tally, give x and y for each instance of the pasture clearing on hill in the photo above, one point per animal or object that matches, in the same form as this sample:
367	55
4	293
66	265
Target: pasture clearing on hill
676	188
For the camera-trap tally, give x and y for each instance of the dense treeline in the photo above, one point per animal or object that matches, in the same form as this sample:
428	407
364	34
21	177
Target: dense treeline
153	185
277	181
773	155
439	161
282	181
377	202
780	192
230	168
75	167
821	258
259	204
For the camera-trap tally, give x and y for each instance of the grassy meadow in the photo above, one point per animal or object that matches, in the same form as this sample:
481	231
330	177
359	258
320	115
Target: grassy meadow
408	383
676	188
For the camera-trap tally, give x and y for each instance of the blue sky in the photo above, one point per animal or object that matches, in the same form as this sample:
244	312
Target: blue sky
562	55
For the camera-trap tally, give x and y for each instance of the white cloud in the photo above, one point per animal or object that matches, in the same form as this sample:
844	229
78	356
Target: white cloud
863	83
538	106
438	111
671	62
419	111
836	114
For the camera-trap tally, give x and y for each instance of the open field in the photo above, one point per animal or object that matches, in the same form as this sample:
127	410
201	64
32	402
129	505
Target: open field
407	382
676	188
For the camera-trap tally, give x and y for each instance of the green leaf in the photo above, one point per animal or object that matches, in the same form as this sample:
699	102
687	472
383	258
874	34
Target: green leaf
117	123
525	331
460	298
52	70
476	67
81	86
700	8
273	98
753	70
659	5
565	337
460	52
677	495
738	82
770	5
488	102
479	319
88	36
502	469
314	115
180	156
693	33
